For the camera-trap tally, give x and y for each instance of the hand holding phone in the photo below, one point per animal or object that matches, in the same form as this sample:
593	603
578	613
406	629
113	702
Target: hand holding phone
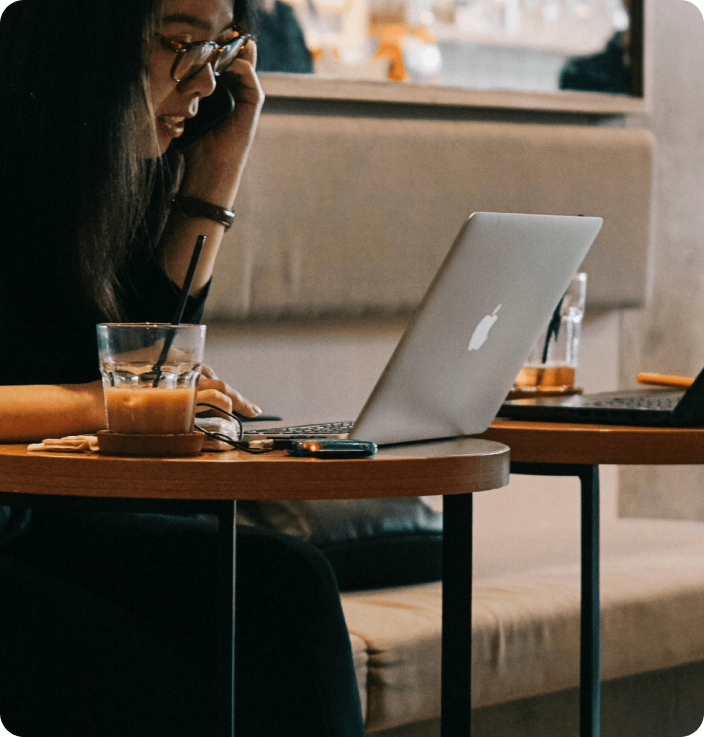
212	111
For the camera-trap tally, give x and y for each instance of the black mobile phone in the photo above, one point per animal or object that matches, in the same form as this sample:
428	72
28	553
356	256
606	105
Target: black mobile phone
212	111
332	448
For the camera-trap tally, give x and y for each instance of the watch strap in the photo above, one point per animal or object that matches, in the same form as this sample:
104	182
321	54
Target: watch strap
195	207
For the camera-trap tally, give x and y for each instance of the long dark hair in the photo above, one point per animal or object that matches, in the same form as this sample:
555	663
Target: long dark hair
75	81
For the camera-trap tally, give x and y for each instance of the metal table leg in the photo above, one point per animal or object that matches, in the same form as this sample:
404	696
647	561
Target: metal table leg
589	672
589	654
456	677
226	619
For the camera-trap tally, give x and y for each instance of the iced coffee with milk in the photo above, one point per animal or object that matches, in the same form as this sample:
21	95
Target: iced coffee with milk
150	375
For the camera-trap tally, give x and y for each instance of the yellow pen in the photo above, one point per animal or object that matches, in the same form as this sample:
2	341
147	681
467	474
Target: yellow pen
680	382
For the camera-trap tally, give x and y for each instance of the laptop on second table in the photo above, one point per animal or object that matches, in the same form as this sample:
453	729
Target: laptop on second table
472	331
636	407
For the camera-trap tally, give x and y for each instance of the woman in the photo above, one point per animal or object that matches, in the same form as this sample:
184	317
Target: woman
107	621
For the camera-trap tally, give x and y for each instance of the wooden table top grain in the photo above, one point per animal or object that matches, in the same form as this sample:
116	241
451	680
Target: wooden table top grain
453	466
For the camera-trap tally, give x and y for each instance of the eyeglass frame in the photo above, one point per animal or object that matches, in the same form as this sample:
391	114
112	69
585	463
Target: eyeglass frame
183	47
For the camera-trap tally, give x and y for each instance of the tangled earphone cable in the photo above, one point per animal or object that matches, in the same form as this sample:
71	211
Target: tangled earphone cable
239	443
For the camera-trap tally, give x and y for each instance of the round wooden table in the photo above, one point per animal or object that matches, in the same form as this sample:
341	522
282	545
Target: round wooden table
455	466
565	449
213	482
561	442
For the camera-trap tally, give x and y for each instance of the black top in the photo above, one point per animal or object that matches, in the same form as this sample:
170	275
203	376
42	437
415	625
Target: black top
47	325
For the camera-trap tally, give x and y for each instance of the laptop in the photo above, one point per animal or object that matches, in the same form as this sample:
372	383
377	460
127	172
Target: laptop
636	407
465	344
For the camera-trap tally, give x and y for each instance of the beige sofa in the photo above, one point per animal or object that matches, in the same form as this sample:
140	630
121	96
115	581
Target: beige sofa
526	638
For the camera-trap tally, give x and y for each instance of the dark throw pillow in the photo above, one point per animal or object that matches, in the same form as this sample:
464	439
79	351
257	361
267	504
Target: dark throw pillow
370	543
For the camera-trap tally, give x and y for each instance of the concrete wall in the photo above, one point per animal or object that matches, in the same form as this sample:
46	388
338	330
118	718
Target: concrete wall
667	335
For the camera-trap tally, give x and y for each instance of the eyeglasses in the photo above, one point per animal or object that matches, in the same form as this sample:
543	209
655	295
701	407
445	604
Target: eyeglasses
191	58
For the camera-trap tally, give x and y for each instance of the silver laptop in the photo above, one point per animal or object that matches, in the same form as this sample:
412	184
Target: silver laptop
464	346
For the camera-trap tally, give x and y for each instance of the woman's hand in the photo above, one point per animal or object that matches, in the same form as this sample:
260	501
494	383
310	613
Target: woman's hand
214	391
214	163
214	167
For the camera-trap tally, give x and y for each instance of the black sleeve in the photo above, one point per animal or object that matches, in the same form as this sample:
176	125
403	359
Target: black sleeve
144	290
148	295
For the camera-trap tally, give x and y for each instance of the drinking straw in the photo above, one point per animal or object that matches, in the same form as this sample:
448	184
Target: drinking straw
180	307
553	329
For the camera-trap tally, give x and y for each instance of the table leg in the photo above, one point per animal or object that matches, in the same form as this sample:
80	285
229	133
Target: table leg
590	625
226	619
456	675
589	666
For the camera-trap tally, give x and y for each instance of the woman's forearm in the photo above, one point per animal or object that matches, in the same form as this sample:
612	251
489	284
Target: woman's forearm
214	167
32	413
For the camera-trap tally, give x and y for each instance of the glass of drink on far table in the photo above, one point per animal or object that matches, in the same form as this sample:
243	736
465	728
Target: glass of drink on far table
550	367
150	377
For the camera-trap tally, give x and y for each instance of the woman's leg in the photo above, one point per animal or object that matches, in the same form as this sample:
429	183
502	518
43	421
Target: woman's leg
292	649
75	665
294	669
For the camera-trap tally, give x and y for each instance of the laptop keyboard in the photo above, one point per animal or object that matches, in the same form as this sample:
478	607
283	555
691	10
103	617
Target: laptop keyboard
634	402
321	430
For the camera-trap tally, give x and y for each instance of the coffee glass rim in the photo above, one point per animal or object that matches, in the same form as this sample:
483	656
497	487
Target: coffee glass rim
161	325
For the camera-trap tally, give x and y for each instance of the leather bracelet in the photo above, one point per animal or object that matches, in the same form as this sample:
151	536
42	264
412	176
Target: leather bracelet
194	207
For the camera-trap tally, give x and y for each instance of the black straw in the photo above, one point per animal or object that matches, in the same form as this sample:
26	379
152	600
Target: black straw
180	307
553	328
186	288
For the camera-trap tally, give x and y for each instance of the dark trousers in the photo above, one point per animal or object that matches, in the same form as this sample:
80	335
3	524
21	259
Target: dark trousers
107	627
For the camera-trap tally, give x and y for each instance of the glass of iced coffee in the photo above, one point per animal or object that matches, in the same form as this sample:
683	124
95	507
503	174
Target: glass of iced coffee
551	365
150	377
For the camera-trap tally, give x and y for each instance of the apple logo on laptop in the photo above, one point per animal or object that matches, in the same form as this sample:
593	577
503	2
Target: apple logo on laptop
481	332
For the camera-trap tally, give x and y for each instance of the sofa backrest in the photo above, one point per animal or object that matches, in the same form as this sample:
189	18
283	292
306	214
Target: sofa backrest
352	213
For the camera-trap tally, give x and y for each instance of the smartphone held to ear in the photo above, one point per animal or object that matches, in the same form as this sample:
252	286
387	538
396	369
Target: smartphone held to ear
212	111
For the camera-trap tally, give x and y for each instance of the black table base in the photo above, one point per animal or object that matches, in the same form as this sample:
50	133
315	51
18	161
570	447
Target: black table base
457	603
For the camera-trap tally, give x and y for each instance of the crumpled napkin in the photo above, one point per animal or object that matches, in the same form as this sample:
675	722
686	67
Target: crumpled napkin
69	444
89	443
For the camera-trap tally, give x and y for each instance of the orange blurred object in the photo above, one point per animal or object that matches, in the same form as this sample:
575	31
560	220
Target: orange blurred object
680	382
391	46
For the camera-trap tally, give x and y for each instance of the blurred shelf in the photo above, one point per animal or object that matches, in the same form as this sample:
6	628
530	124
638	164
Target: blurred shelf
300	86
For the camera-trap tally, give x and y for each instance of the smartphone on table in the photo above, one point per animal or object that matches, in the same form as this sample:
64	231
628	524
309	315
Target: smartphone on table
332	448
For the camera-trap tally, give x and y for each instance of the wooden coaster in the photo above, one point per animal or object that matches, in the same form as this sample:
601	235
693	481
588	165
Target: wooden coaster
117	444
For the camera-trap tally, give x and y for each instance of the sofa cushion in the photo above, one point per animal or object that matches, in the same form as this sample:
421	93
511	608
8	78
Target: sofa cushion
526	622
369	542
